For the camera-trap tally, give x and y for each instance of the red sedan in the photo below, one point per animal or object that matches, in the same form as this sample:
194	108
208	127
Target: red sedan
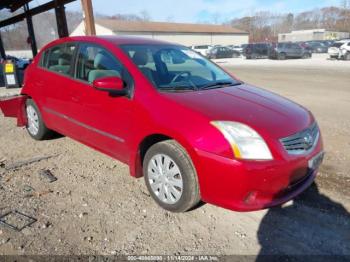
194	131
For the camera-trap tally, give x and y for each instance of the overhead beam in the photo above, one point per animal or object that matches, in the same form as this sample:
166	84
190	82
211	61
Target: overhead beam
34	11
88	13
18	4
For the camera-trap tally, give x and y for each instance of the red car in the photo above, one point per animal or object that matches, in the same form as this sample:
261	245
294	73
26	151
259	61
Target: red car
195	132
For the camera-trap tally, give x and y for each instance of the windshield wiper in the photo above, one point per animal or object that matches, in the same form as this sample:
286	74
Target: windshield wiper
220	84
177	88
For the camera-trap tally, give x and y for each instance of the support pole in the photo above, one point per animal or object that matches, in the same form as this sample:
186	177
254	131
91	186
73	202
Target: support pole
31	30
2	49
61	21
89	20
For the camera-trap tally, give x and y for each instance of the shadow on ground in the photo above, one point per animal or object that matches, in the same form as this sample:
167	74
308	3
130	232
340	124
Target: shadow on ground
313	225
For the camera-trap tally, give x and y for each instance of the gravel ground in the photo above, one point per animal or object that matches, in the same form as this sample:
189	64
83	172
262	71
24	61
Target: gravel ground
96	208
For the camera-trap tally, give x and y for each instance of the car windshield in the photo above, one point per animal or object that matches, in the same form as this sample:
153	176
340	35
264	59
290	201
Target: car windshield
171	67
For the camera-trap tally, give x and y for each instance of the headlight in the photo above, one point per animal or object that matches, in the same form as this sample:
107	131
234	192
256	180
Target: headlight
246	143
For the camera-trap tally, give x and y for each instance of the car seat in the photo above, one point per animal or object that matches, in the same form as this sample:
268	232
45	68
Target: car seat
140	58
64	64
104	67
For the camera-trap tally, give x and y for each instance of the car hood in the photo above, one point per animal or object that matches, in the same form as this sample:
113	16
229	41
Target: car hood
266	112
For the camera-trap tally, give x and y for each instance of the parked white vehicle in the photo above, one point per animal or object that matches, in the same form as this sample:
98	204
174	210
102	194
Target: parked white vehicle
345	51
237	48
202	49
334	50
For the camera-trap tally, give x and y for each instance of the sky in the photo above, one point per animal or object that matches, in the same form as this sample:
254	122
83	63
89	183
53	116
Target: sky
193	11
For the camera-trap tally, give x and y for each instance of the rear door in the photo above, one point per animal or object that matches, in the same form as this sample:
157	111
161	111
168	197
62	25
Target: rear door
54	81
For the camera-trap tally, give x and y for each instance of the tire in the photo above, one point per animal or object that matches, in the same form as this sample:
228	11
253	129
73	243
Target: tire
165	187
282	56
306	56
36	127
347	56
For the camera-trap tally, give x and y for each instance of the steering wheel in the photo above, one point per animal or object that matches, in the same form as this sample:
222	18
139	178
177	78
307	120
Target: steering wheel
188	75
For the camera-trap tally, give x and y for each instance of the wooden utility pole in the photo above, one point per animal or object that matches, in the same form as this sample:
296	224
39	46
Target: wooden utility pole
89	20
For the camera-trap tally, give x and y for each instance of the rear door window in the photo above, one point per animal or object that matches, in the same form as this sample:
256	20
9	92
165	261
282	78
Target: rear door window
59	59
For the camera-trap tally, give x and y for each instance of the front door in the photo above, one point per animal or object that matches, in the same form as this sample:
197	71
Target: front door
102	121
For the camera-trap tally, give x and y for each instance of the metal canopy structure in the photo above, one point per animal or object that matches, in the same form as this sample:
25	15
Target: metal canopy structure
27	14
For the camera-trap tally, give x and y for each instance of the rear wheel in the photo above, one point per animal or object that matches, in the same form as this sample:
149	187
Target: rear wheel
35	125
282	56
347	56
170	177
306	56
235	55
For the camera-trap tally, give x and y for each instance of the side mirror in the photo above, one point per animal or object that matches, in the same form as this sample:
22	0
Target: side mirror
112	84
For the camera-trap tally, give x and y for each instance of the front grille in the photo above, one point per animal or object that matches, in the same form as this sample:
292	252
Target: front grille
302	142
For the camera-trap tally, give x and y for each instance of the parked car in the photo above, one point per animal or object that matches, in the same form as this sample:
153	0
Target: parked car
222	52
334	50
244	46
318	47
283	51
344	51
193	130
237	48
305	45
328	43
259	50
202	49
21	63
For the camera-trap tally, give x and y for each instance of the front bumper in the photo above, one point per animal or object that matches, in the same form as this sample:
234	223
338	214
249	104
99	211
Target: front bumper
252	185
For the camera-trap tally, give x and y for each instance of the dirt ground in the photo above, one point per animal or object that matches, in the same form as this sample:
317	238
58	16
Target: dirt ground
96	208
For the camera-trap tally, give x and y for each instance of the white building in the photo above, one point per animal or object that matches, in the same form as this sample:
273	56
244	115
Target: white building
185	34
311	35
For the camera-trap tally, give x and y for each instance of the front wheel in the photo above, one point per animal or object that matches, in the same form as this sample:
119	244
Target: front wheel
170	177
35	124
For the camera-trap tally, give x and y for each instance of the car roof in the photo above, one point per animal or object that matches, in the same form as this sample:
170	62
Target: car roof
117	40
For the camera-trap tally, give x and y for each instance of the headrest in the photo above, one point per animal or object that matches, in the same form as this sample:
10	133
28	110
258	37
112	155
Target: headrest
64	59
103	61
140	58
